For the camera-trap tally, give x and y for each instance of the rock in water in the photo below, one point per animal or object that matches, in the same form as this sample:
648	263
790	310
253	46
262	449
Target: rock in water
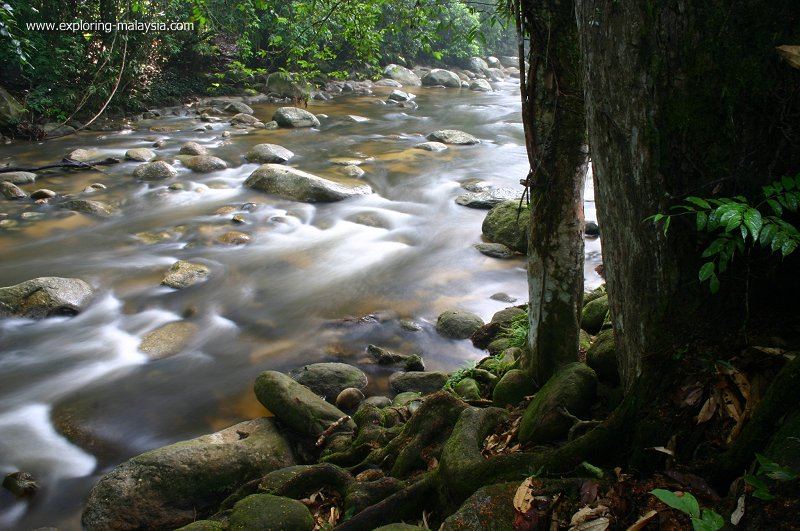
18	177
154	171
87	206
85	155
330	379
294	117
205	163
301	186
192	148
268	153
488	198
439	76
140	154
45	297
168	340
174	485
480	85
237	107
403	75
431	146
11	191
296	405
453	136
457	324
508	225
183	274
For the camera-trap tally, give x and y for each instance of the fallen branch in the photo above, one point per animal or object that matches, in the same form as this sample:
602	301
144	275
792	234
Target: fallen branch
330	429
66	163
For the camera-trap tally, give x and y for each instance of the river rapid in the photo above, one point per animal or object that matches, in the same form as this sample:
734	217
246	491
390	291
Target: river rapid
316	282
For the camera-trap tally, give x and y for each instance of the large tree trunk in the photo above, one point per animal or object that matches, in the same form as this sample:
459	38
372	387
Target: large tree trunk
682	98
553	112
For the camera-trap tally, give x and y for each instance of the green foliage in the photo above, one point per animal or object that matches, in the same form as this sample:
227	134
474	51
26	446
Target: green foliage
464	372
517	331
702	520
13	43
772	470
738	226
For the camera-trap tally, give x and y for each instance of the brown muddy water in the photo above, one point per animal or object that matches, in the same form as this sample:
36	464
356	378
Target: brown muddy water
315	283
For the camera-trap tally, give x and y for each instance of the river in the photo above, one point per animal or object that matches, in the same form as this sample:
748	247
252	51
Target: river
315	283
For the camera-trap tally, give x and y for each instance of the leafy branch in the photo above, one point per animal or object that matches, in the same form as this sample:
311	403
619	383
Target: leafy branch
738	226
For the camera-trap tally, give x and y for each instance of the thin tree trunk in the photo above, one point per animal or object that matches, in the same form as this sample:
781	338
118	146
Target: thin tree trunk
556	137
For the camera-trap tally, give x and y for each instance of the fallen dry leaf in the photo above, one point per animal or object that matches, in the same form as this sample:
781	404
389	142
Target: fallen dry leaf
588	513
643	521
523	498
738	513
708	409
600	524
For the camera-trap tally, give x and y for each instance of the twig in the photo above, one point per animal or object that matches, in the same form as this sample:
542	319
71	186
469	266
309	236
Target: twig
66	163
577	423
330	429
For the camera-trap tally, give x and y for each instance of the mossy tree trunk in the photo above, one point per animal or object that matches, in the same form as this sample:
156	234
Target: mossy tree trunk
555	129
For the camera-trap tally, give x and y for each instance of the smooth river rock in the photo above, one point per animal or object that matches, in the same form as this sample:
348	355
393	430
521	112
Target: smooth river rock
88	206
85	155
458	324
480	85
329	379
11	191
431	146
294	117
205	163
506	224
192	148
168	340
418	382
453	136
174	485
488	198
154	171
439	76
296	405
18	177
403	75
237	107
298	185
44	297
183	274
268	153
140	154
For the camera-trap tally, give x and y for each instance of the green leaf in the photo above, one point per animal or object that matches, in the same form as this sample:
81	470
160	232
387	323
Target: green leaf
753	222
713	284
702	203
766	234
709	521
791	201
685	503
787	182
775	206
788	247
666	224
702	221
769	191
706	271
714	248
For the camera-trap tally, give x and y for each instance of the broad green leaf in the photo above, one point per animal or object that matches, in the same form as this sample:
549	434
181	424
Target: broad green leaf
788	247
755	481
778	240
714	248
709	521
769	191
787	182
666	224
713	284
685	503
732	222
702	203
775	206
791	201
706	271
753	222
766	234
743	230
702	221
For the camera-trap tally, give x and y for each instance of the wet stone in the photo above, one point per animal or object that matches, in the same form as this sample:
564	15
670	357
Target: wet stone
183	274
18	177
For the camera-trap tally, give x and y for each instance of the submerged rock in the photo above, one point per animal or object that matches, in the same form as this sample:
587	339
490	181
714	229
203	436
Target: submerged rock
174	485
458	324
400	96
11	191
268	153
301	186
20	484
480	85
508	225
453	136
439	76
330	379
294	117
168	340
296	405
183	274
494	250
45	297
154	171
572	387
18	177
431	146
88	206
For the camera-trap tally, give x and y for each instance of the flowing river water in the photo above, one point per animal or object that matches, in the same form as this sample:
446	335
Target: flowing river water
316	282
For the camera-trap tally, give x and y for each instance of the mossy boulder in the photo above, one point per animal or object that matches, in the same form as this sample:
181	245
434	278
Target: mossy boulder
468	389
403	75
602	357
154	171
265	512
458	324
296	405
508	225
572	387
490	508
513	386
330	379
298	185
421	382
45	297
294	117
399	527
174	485
594	314
204	525
284	85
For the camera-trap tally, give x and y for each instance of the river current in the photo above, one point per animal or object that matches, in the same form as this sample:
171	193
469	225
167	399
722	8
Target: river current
316	282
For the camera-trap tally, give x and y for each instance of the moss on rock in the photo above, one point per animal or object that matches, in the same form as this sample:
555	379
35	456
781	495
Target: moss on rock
508	225
266	512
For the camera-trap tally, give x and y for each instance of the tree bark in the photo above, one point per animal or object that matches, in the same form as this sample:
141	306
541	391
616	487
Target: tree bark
553	112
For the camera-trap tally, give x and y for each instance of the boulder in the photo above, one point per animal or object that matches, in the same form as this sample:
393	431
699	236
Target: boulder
349	399
204	525
507	225
417	382
265	512
513	386
383	356
192	148
403	75
183	274
486	199
140	154
296	405
480	85
431	146
458	324
283	85
602	357
494	250
11	191
243	118
234	237
298	185
509	61
352	171
88	206
154	171
388	83
11	111
572	387
495	74
205	163
18	177
476	64
85	155
468	389
169	339
453	136
237	107
493	62
174	485
294	117
591	229
399	527
593	314
489	508
399	95
268	153
439	76
329	379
